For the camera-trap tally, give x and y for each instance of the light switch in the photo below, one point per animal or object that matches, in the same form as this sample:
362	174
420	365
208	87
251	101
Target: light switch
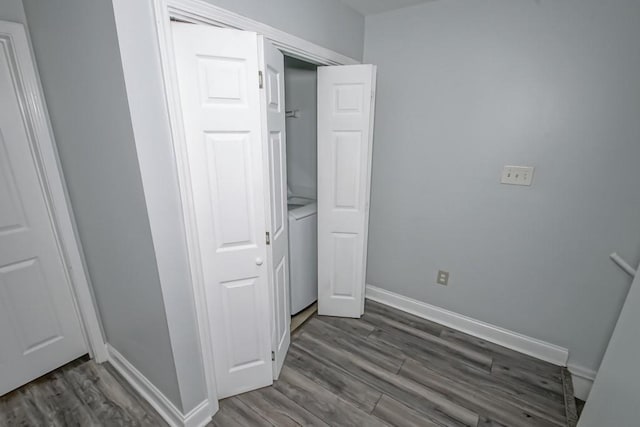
517	175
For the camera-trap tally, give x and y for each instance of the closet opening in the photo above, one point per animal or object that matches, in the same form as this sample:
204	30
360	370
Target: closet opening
301	104
265	245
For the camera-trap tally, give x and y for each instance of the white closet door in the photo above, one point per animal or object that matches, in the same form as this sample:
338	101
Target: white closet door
39	325
220	96
346	99
276	175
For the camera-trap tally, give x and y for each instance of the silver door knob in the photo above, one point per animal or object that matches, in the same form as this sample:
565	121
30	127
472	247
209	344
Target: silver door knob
259	261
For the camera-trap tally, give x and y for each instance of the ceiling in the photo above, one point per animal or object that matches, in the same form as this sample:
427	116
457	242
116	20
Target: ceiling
371	7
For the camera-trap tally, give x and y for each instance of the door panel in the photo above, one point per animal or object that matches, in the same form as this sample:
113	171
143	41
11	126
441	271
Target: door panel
277	155
239	301
345	255
220	96
345	137
229	158
39	325
26	303
278	250
346	151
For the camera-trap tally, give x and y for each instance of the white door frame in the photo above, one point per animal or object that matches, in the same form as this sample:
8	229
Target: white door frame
13	37
201	12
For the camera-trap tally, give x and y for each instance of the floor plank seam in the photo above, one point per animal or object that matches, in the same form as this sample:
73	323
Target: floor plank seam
256	413
376	405
401	365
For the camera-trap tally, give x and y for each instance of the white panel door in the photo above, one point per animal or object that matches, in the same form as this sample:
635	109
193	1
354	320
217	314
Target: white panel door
39	325
276	168
220	96
346	99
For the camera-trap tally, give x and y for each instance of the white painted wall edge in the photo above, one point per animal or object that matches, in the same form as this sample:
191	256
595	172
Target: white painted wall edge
531	346
143	111
583	379
198	416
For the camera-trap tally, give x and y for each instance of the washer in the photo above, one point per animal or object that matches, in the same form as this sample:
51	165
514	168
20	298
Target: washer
303	253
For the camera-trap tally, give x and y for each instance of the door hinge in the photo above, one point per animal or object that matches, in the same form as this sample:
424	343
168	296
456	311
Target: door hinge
260	79
273	356
268	238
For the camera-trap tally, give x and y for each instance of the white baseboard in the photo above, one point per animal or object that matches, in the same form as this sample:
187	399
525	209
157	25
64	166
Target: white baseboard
582	380
197	417
533	347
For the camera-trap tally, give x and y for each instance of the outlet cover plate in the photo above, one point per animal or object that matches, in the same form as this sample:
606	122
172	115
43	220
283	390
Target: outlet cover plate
517	175
443	278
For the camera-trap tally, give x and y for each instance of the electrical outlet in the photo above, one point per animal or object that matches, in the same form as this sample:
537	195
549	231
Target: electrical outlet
443	278
517	175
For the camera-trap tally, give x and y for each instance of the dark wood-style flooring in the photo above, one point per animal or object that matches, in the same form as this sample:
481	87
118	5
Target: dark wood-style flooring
81	393
388	368
391	368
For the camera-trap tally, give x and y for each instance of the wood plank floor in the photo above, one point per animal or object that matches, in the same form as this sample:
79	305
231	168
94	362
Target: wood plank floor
388	368
81	393
391	368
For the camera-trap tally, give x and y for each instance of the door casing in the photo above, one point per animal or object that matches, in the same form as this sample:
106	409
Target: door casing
203	13
13	37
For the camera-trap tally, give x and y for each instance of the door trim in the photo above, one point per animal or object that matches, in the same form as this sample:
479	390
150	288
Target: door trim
201	12
14	38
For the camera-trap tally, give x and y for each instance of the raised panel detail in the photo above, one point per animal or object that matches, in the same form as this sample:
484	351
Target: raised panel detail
349	98
273	90
231	184
11	212
276	158
26	296
343	274
222	80
242	321
281	288
347	160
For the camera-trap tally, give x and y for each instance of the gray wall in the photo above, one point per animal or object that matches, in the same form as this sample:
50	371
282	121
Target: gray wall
12	10
465	87
328	23
301	81
615	397
77	54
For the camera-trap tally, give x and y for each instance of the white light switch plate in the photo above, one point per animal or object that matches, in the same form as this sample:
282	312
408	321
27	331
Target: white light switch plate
517	175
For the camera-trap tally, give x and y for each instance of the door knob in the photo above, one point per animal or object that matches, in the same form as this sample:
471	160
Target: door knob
259	261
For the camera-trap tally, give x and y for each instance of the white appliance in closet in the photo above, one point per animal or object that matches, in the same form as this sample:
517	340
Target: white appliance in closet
303	252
